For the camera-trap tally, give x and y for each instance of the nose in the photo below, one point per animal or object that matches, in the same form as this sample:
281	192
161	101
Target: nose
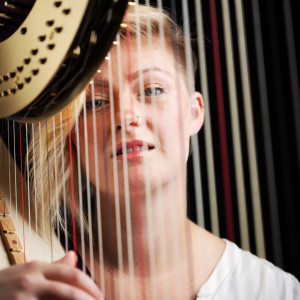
128	114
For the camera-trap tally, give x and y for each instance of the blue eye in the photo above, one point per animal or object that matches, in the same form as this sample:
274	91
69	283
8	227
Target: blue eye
154	91
97	103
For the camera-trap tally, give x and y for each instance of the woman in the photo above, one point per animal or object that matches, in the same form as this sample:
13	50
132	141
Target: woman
131	140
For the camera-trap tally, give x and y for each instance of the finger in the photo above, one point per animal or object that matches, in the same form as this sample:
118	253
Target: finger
61	291
72	276
69	259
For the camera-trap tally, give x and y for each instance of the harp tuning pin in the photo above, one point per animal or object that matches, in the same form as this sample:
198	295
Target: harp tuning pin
76	51
12	74
7	93
9	231
27	61
94	37
5	16
10	5
27	79
6	77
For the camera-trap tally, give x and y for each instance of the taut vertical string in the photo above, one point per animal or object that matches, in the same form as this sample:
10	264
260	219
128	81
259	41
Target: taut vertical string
22	190
49	194
82	236
207	127
125	168
116	182
235	127
221	123
251	144
137	187
72	182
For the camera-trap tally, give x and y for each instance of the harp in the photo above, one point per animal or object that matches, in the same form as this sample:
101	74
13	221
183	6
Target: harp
243	172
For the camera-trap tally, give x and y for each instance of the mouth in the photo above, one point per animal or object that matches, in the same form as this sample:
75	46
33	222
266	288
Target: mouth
133	149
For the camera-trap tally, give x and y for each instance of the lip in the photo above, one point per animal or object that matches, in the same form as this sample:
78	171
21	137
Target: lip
136	153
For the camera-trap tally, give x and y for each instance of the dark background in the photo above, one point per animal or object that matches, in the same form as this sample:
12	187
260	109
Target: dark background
278	30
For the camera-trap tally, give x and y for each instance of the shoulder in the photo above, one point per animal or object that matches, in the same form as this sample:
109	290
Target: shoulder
265	279
242	275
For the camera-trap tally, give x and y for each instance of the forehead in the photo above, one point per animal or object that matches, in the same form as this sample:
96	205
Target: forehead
128	57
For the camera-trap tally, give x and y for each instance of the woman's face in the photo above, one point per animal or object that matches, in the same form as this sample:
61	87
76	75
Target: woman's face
142	120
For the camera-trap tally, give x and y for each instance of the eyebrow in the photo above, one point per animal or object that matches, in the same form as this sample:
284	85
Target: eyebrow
156	69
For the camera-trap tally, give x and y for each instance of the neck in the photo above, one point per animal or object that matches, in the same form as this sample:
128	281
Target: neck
141	229
152	244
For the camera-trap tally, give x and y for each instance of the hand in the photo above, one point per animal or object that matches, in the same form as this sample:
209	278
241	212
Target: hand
39	280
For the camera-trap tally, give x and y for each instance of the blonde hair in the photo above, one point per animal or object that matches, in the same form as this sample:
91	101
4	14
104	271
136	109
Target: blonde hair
49	146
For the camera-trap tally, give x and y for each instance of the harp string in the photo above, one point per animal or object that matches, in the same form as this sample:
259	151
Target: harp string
106	194
160	195
235	125
294	77
55	178
98	200
22	190
9	168
183	252
28	183
148	199
15	174
135	162
34	179
72	183
125	171
251	144
269	157
207	126
41	182
65	219
221	123
49	194
89	208
80	191
116	181
194	139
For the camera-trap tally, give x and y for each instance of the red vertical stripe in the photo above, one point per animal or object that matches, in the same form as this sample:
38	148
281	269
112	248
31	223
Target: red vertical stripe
222	122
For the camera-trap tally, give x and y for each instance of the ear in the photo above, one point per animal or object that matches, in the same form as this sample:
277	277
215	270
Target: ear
197	113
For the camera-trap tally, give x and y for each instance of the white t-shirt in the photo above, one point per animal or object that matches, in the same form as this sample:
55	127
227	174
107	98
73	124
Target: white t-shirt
240	275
